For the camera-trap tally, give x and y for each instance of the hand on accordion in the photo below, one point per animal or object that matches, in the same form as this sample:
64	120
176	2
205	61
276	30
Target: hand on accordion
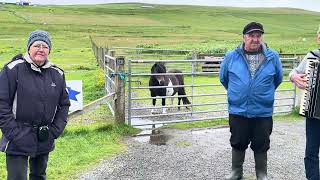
299	80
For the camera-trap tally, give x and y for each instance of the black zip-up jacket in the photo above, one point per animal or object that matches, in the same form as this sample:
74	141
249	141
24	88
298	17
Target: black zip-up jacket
31	96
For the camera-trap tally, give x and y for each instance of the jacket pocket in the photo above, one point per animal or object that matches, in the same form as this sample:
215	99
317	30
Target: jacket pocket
24	142
265	99
235	97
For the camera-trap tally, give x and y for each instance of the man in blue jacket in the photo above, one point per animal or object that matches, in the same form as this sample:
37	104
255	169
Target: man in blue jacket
34	106
250	73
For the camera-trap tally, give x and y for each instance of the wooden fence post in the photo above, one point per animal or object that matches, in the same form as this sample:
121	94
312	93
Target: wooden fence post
98	55
112	64
101	57
120	91
112	53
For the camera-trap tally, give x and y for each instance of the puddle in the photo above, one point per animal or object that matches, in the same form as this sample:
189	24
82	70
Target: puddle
139	123
155	137
149	134
206	131
142	139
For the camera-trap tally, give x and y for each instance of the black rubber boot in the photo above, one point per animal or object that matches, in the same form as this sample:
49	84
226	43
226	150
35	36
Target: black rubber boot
237	162
261	165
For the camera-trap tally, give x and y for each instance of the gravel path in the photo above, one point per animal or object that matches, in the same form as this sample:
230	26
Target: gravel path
203	154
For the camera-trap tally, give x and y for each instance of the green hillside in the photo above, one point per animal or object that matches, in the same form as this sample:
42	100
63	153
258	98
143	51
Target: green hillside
205	29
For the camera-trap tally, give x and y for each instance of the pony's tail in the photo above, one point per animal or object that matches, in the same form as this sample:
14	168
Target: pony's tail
181	91
185	100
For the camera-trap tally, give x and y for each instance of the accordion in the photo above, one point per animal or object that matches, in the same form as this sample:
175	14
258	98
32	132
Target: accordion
310	99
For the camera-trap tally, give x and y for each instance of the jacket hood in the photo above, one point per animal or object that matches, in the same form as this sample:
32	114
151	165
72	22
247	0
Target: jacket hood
35	67
267	53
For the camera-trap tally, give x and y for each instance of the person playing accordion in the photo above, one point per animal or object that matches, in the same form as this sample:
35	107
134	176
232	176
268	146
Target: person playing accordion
299	76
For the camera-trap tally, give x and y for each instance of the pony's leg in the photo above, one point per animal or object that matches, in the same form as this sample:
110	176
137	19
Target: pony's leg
154	105
171	102
164	109
179	100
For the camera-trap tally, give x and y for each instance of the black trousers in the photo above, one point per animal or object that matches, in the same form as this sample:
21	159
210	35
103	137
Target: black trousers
256	131
17	167
311	160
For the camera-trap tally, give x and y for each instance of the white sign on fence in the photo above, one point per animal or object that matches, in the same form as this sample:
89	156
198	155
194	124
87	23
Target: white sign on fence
74	88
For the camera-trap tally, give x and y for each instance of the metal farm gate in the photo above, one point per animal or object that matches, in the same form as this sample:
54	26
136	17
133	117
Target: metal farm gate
110	85
131	100
206	94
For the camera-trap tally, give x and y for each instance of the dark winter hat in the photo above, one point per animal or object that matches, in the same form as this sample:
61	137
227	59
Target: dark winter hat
253	26
39	35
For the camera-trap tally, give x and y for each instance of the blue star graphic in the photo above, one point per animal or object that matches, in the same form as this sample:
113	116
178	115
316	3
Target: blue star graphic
72	94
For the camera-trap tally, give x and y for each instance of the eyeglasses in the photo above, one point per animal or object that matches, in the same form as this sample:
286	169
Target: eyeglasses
39	46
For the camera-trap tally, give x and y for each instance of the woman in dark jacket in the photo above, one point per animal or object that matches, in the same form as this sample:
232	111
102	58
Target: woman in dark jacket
34	106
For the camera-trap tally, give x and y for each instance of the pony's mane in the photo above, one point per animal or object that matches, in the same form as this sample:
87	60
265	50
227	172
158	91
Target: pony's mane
158	68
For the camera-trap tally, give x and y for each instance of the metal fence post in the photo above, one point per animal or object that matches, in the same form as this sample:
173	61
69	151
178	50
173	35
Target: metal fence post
120	91
194	70
197	64
129	92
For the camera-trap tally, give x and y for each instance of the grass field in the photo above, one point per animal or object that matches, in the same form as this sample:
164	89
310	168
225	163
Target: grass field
205	29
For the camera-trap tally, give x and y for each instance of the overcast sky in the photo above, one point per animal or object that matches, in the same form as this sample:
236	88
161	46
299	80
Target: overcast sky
313	5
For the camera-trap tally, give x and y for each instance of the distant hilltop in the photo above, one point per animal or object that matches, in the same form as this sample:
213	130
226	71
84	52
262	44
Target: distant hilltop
305	5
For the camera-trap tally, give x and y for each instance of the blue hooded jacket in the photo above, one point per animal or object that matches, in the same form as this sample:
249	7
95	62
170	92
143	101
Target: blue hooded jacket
251	97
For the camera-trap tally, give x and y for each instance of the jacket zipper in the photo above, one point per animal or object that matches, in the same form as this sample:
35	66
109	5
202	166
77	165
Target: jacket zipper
252	79
5	150
55	111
